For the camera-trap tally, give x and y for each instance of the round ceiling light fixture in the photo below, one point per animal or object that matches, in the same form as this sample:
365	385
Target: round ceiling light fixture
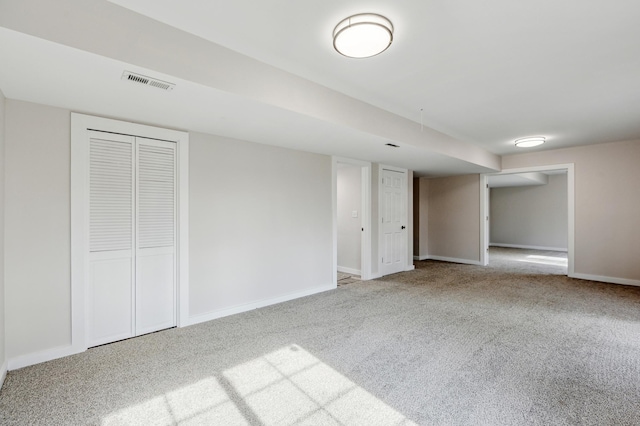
530	142
363	35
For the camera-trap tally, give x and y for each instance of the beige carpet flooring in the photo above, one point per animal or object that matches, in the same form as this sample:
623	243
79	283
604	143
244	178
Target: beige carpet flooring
344	278
528	261
445	344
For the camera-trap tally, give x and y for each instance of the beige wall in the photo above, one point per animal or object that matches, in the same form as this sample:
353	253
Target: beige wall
530	216
349	197
421	217
37	228
607	205
454	218
3	357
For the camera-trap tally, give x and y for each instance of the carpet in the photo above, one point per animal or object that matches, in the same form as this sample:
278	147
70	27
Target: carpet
445	344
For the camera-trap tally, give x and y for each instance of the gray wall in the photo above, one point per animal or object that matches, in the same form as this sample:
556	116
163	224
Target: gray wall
454	217
530	216
3	357
607	204
349	198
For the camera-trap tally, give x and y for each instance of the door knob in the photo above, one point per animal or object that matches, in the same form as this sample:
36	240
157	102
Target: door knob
402	227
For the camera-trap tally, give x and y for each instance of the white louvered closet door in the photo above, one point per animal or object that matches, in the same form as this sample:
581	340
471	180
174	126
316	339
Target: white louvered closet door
156	236
132	237
110	290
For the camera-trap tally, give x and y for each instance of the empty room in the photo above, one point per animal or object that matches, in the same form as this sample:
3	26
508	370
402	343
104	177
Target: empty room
321	213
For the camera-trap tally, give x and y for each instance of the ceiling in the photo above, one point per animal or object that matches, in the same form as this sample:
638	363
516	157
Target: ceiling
522	179
461	81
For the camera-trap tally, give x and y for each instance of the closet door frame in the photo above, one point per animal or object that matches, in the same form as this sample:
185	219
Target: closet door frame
81	125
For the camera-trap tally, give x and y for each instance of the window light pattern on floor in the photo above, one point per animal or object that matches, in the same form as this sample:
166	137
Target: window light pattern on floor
285	387
545	260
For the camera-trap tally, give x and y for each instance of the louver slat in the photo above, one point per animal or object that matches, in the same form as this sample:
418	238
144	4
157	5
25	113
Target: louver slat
156	196
110	195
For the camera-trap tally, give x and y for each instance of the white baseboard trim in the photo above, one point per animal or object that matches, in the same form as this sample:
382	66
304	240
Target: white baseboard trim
3	373
612	280
209	316
42	356
520	246
348	270
423	257
454	260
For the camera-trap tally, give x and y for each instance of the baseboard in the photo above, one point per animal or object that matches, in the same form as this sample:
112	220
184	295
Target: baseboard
520	246
423	257
348	270
209	316
454	260
42	356
612	280
3	373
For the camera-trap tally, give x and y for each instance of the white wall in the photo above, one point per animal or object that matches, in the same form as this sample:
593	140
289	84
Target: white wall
349	197
261	226
260	223
3	357
530	216
37	227
607	206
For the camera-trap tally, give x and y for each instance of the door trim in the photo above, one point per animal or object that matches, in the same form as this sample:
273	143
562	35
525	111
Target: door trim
409	224
81	124
484	210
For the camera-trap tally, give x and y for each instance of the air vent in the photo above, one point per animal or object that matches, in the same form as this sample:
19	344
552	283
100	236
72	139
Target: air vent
147	81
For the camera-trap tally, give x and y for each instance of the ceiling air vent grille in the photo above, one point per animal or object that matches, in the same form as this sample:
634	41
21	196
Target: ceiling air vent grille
147	81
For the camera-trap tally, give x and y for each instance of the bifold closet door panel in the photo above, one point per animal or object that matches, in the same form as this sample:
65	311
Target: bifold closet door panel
156	236
110	287
110	300
155	292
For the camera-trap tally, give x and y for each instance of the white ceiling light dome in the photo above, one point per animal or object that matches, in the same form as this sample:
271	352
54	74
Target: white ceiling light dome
363	35
530	142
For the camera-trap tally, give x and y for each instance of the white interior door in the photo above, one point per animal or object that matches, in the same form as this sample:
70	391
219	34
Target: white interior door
132	237
156	236
394	216
110	289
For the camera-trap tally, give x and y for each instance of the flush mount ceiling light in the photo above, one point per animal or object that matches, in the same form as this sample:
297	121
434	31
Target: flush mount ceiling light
529	142
363	35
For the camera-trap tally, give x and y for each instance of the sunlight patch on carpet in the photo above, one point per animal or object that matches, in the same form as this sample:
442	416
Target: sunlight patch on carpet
285	387
545	260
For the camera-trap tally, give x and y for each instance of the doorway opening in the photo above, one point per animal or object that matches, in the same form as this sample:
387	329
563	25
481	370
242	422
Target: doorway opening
528	219
352	220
